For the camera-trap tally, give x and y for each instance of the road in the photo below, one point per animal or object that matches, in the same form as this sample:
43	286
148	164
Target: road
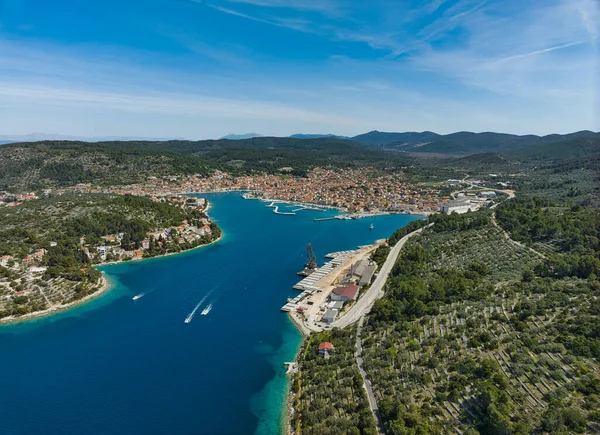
365	303
366	383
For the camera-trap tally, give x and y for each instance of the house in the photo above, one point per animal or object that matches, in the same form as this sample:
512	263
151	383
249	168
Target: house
365	279
326	349
53	244
145	244
137	254
39	254
345	293
329	316
490	194
358	269
5	259
102	251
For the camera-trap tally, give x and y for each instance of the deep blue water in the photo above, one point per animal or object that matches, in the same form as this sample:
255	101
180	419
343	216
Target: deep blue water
118	366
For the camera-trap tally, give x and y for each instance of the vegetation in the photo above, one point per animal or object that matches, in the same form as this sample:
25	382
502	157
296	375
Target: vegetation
63	248
328	393
568	236
62	163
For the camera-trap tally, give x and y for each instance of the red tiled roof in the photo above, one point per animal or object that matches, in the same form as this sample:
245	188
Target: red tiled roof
348	291
326	345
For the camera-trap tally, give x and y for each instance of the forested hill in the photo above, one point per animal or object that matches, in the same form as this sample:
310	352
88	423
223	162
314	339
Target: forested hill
37	164
464	142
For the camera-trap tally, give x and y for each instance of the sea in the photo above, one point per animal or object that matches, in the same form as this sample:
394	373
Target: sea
115	365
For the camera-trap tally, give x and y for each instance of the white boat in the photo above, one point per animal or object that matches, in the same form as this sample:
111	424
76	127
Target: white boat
371	226
190	316
206	310
136	297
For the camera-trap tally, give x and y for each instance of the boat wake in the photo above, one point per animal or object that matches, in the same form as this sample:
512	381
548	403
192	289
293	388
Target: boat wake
206	310
141	295
190	316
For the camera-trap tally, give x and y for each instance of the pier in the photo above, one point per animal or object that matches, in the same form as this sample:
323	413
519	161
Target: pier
310	284
292	367
324	219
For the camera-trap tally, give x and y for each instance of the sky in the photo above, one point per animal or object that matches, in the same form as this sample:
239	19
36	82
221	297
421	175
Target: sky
200	69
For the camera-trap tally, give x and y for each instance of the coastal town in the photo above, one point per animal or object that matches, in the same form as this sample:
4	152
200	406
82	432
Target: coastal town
351	190
42	280
358	192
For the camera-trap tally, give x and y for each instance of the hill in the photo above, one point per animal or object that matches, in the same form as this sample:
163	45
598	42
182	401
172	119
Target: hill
316	136
51	163
50	265
36	137
379	138
476	333
467	142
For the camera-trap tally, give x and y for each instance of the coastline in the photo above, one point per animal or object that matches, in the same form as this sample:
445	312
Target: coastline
290	411
106	286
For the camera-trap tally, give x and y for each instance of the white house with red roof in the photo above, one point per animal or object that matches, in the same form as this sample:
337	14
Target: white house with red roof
345	293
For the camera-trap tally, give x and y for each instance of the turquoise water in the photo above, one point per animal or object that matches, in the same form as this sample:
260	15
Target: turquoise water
118	366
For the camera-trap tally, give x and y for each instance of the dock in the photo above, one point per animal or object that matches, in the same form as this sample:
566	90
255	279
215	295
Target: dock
309	284
292	367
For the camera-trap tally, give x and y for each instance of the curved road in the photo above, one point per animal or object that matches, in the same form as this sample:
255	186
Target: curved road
365	303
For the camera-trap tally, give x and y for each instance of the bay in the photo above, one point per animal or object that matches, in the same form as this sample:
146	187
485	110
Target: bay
119	366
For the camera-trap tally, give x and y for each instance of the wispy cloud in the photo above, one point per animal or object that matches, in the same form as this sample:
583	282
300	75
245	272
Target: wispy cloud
329	7
542	51
294	24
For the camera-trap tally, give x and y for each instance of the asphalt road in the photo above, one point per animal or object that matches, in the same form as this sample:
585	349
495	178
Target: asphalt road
365	303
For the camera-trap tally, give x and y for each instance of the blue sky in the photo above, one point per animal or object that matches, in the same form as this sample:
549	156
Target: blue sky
205	68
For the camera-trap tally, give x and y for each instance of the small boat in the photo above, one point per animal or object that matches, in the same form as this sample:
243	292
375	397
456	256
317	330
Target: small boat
136	297
371	226
206	310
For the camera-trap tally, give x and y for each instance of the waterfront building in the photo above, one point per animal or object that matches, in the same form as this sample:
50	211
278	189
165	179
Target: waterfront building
345	293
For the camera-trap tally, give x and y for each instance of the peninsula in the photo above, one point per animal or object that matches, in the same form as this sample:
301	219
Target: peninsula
44	268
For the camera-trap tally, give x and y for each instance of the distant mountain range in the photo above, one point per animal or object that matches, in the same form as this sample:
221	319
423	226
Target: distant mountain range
427	142
464	142
36	137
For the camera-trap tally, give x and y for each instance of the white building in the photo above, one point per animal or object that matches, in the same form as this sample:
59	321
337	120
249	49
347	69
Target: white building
459	206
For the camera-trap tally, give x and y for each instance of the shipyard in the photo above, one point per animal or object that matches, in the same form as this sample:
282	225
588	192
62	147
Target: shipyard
328	291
